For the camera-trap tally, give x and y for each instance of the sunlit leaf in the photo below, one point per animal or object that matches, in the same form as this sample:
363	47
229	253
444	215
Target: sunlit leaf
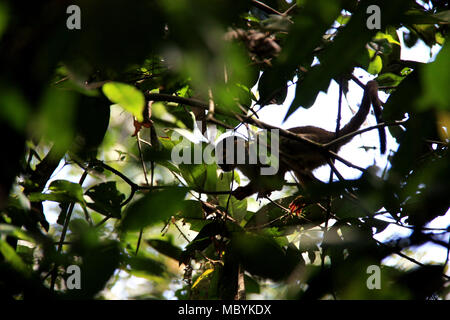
13	259
202	277
14	231
60	191
127	96
154	207
375	65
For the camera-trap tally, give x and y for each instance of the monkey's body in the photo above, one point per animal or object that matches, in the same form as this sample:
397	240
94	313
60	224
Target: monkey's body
301	157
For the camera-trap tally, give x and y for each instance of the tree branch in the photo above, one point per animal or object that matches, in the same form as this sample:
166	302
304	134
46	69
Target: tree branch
64	232
264	7
355	133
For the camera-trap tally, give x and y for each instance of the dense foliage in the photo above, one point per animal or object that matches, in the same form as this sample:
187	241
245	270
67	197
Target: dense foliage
101	108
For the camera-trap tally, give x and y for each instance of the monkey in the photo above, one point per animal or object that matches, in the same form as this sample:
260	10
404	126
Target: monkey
300	157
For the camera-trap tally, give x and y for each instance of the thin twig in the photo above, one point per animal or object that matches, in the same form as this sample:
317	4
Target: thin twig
397	252
117	173
289	9
181	232
176	99
144	169
400	224
357	81
354	133
64	232
346	162
264	7
278	205
229	195
220	123
333	169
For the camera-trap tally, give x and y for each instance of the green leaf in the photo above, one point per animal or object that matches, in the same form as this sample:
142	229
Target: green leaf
72	189
99	262
154	207
36	197
203	277
56	117
251	285
143	266
272	87
16	232
245	96
435	80
61	191
107	199
4	17
375	64
14	109
388	37
381	45
227	120
294	258
426	32
206	285
308	243
389	79
169	119
443	16
92	122
204	238
236	208
260	255
272	213
224	180
13	259
192	213
250	17
415	16
345	208
127	96
343	19
166	248
200	176
378	224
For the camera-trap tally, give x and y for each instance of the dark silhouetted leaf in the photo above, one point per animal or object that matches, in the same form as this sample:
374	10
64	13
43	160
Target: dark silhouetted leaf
107	199
260	255
154	207
166	248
